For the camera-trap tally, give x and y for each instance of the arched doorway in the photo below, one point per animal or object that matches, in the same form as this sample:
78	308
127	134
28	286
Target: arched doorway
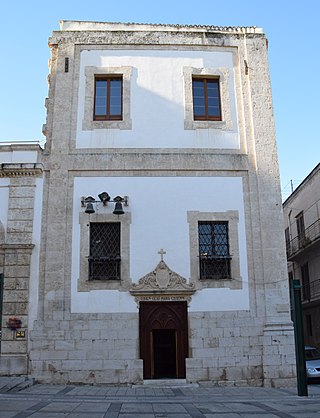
163	339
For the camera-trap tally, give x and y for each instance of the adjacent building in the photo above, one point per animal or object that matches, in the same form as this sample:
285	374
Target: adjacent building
159	250
21	191
302	232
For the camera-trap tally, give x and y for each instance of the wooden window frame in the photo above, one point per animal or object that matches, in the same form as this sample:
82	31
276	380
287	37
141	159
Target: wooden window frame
107	116
207	117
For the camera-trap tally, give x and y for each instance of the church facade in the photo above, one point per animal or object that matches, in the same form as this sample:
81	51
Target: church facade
161	252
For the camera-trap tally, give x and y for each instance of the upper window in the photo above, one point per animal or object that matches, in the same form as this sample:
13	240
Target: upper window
214	253
209	101
104	259
108	98
206	98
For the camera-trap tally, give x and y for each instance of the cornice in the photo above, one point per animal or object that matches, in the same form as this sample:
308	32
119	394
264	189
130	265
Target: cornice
20	170
16	246
74	25
146	36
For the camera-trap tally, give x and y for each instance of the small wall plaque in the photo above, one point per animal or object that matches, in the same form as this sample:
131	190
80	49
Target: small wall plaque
20	335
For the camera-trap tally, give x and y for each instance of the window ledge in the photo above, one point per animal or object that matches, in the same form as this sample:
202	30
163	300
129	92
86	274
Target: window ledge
205	124
109	124
232	283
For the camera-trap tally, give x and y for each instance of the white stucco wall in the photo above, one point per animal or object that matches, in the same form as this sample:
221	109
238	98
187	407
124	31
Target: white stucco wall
18	156
159	207
158	100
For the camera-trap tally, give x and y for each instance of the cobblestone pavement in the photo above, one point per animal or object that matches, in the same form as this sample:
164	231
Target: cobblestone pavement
21	399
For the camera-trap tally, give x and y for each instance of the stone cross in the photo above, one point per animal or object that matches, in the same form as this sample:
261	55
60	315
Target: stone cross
162	252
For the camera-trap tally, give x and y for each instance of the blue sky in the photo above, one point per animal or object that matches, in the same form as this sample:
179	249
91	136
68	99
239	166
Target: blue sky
292	28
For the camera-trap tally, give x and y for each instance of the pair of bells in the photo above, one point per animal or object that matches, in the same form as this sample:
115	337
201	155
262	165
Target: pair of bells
104	197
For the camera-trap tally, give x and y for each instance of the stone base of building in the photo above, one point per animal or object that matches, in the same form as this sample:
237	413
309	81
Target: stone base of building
104	349
13	365
118	373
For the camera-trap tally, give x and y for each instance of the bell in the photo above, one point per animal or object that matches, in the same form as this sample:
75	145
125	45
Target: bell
118	209
89	208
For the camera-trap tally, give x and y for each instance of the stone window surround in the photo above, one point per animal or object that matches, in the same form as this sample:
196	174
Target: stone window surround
223	75
88	123
232	217
85	285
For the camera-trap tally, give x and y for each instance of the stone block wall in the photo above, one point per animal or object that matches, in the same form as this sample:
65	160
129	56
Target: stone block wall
94	348
230	349
237	349
15	260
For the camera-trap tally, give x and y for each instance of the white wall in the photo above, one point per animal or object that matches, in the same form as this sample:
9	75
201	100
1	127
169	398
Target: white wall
157	100
18	157
158	207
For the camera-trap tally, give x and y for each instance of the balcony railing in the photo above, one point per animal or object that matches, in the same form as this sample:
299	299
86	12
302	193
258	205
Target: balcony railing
105	268
311	234
311	291
214	267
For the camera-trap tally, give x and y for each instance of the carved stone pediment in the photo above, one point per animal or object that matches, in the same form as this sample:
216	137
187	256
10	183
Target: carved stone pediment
162	284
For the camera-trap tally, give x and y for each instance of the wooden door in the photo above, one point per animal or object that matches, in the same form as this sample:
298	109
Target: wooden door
163	339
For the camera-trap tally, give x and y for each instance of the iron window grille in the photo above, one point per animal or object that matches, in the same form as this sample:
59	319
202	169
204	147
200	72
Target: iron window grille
104	259
108	98
206	98
214	256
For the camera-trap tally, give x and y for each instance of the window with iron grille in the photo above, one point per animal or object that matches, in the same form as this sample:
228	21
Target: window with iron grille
104	258
206	98
108	98
214	257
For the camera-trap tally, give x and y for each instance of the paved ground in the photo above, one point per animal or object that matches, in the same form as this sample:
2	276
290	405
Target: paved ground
20	398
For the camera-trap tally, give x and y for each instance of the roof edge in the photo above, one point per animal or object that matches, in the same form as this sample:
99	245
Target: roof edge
304	181
77	25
